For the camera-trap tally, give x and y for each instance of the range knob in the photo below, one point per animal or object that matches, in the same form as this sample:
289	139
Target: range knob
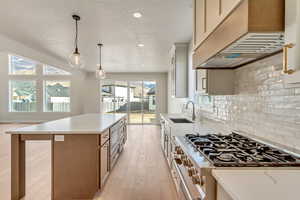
183	157
196	179
177	159
178	150
202	180
185	162
189	163
192	171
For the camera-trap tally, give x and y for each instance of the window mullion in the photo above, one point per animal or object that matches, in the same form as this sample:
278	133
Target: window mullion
40	95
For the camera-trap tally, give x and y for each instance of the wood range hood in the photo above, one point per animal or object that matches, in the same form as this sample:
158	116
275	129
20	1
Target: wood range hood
252	31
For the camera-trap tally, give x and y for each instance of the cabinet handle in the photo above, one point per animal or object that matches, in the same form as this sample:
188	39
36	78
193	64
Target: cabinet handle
285	69
203	80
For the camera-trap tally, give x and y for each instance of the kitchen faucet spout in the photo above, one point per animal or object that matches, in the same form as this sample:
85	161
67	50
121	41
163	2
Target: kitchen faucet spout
187	105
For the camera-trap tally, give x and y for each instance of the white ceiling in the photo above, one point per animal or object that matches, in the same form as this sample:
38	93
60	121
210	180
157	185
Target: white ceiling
47	26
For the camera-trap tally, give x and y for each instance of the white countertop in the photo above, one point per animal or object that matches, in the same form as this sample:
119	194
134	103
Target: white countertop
248	184
80	124
180	129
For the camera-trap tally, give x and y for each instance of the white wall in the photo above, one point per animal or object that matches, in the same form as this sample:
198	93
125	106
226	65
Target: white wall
91	94
8	46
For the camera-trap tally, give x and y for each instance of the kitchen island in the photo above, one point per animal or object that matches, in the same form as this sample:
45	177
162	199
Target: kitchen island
84	150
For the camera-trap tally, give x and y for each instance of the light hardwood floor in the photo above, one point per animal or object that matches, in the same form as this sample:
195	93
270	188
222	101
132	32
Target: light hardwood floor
140	174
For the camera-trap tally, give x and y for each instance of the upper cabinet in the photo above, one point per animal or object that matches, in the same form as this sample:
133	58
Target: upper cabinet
215	82
291	64
232	33
207	16
179	70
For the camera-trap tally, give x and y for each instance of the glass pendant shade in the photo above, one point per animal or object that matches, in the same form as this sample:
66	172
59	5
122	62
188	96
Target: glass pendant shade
75	60
100	73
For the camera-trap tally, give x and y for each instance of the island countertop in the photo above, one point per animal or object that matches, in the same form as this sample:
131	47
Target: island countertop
93	123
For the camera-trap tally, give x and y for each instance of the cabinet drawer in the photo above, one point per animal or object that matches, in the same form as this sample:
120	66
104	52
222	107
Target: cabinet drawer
104	137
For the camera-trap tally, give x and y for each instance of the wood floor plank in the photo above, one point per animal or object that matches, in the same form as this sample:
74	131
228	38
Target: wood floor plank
140	174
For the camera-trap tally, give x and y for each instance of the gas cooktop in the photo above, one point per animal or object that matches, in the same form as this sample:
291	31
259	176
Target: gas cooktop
235	150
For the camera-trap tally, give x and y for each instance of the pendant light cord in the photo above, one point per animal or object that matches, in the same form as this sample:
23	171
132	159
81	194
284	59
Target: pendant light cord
100	67
76	36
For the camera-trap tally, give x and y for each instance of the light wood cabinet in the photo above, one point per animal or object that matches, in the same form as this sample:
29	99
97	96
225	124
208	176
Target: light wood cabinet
230	23
75	167
226	6
201	81
208	14
292	36
199	21
213	14
104	162
215	82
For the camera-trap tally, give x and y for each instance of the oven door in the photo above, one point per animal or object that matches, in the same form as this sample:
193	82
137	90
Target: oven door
182	188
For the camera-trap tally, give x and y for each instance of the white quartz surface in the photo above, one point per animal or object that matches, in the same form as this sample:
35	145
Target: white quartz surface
260	184
81	124
180	129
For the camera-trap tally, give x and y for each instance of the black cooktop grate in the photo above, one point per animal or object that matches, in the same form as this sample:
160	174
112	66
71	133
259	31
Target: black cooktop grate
235	150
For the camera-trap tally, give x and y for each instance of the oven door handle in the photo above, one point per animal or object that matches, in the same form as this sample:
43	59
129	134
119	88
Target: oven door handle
183	183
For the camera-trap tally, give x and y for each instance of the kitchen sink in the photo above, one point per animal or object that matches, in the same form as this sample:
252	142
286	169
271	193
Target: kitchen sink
180	120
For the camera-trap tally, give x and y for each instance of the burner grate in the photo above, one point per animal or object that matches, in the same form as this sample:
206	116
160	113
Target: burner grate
235	150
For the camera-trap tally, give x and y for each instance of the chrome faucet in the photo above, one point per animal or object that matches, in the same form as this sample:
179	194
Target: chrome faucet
187	105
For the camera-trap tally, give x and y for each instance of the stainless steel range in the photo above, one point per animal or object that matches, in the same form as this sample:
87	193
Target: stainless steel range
194	156
235	150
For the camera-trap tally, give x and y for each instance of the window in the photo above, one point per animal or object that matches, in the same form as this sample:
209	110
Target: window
49	70
22	96
21	66
33	87
57	96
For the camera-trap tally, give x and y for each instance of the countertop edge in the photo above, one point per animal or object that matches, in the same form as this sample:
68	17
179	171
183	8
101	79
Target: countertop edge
220	181
62	132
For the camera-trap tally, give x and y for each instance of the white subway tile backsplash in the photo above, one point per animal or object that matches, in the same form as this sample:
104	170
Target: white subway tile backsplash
262	106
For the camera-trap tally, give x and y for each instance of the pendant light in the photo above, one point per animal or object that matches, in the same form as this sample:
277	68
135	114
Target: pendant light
100	73
75	60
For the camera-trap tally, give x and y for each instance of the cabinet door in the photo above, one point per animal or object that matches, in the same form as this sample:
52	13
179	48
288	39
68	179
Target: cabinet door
76	167
173	75
213	13
201	81
199	21
226	6
104	162
162	133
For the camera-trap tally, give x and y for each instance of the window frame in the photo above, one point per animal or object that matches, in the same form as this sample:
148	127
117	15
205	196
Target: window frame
10	110
44	94
51	75
28	59
39	79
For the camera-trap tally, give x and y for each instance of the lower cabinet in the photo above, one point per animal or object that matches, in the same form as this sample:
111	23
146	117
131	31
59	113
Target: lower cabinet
104	162
75	167
166	140
222	194
118	137
111	145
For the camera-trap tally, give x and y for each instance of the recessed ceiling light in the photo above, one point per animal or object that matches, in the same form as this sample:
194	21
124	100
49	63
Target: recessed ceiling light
137	15
140	45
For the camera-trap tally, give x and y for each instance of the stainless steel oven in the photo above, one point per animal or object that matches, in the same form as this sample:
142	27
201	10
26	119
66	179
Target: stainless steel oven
186	190
181	187
192	183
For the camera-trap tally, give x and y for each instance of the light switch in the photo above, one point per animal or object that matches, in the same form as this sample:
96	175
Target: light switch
59	138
